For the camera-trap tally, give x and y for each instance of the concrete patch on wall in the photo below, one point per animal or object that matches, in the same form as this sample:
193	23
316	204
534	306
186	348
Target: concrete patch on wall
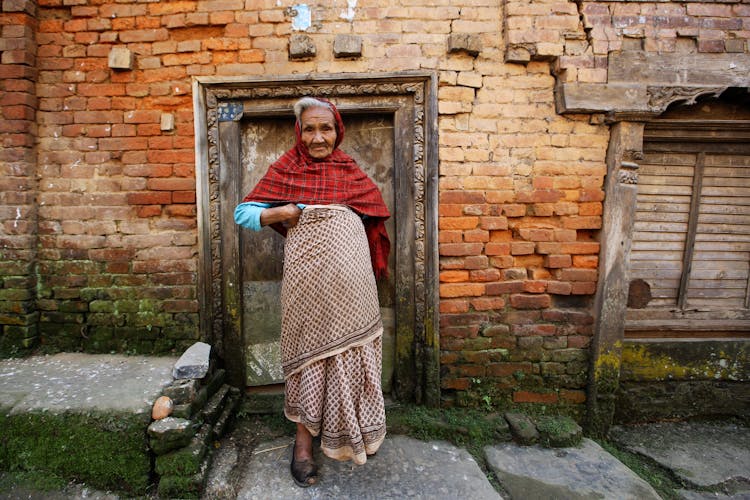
349	13
302	19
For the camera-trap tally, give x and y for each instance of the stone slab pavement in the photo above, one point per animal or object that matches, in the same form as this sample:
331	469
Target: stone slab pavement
81	382
585	471
713	456
403	468
705	455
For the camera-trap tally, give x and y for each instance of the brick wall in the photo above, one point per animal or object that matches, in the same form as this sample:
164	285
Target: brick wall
18	176
520	198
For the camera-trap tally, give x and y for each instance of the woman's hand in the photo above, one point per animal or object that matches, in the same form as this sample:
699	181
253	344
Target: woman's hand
286	214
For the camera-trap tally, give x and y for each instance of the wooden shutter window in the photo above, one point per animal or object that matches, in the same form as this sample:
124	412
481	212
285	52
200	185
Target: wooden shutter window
691	241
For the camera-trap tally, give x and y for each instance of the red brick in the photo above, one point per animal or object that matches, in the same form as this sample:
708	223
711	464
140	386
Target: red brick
557	261
462	197
181	210
143	170
524	301
112	255
502	261
514	210
586	261
469	370
539	196
460	384
476	262
559	288
459	332
183	197
171	184
454	276
536	234
522	248
488	303
493	248
583	288
582	222
534	286
150	198
476	235
454	306
577	274
545	248
484	275
534	330
538	273
450	210
571	396
503	287
445	236
501	236
493	223
458	222
580	247
117	267
458	249
450	290
534	397
587	209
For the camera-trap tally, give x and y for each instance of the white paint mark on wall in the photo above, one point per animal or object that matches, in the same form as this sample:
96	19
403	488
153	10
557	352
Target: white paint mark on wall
348	14
18	217
302	18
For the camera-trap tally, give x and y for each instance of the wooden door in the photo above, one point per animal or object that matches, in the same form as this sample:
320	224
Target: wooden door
369	139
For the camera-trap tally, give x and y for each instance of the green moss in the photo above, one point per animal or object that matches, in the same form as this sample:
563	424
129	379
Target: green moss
105	451
670	361
469	428
181	486
31	481
559	431
665	485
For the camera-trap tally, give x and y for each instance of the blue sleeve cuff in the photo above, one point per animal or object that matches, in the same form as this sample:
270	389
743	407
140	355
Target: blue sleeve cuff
248	214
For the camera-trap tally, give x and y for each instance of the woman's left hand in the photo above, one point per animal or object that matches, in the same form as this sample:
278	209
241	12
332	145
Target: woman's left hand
287	214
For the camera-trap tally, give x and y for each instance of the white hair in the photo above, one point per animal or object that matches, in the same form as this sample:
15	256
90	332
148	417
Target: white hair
306	103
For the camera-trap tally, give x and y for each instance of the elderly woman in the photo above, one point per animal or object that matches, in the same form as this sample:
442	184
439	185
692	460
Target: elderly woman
333	217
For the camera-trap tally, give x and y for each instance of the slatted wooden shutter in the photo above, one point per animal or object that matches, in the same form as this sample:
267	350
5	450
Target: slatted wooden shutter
691	242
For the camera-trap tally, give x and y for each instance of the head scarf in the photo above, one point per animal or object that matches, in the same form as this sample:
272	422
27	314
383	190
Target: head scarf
296	177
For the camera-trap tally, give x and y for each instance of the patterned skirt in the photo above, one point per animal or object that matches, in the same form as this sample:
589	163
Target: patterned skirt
331	334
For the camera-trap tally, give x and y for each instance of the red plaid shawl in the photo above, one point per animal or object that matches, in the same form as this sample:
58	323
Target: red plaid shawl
337	179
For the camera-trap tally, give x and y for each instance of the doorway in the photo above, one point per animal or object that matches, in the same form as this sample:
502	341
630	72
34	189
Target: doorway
242	127
369	140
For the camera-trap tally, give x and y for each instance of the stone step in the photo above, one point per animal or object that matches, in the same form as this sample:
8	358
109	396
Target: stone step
81	416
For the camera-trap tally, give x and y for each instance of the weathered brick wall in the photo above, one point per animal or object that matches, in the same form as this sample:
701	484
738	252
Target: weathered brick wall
117	256
579	36
520	199
18	183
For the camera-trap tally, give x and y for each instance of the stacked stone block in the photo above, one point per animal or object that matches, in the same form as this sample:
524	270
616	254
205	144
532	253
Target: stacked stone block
202	406
18	176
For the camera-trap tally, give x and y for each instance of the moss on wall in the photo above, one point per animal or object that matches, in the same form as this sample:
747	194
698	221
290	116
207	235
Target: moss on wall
678	379
707	360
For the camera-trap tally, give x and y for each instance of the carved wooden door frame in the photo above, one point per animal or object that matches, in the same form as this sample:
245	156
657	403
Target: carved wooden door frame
219	104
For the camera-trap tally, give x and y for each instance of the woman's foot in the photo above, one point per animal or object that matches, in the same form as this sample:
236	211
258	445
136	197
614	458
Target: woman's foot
303	468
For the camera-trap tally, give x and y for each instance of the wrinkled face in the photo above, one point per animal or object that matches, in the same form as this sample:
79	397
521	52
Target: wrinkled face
318	128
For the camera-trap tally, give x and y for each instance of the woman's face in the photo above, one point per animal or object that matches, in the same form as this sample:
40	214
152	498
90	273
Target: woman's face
318	131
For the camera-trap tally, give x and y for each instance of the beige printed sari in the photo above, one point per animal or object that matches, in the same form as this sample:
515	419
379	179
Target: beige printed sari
331	333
